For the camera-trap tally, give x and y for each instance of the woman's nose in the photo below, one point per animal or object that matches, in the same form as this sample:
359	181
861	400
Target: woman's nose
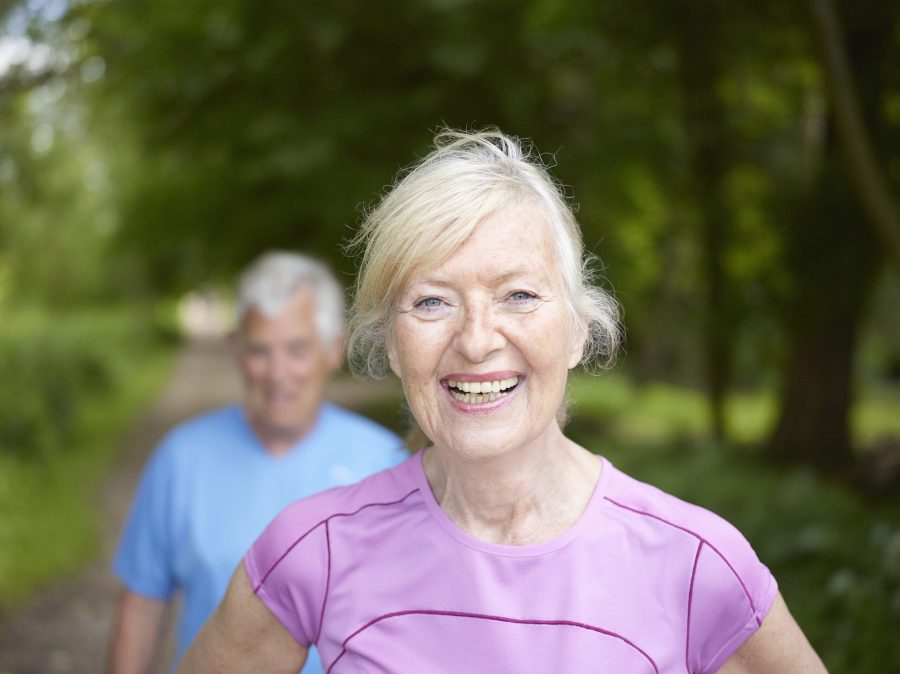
479	335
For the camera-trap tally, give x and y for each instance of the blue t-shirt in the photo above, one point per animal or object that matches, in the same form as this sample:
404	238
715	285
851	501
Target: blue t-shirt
210	489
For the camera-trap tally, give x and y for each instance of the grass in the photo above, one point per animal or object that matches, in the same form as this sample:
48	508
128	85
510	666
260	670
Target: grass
49	519
662	411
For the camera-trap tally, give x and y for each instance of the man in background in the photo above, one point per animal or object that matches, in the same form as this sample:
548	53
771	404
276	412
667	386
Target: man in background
215	482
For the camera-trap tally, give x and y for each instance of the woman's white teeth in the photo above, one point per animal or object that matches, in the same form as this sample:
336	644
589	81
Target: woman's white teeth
481	391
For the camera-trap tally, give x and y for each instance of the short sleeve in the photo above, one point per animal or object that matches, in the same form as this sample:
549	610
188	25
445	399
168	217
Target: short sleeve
143	561
288	567
731	593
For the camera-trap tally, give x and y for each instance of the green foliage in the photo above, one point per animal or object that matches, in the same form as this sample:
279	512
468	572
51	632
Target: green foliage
613	405
78	381
192	136
46	527
60	364
52	376
268	125
57	219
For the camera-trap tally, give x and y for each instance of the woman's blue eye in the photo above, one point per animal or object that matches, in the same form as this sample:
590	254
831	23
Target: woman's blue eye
521	296
430	303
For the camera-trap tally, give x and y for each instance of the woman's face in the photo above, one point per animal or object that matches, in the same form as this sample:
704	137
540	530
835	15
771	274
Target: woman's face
483	342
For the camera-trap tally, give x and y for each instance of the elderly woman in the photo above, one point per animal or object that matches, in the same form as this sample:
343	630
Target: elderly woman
502	546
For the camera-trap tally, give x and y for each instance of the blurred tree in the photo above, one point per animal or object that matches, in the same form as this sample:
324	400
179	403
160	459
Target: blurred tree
703	49
55	216
682	101
834	259
269	124
862	167
690	134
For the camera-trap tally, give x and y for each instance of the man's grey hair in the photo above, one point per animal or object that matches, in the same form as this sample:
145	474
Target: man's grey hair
272	278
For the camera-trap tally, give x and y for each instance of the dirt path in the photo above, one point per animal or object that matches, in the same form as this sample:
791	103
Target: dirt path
64	629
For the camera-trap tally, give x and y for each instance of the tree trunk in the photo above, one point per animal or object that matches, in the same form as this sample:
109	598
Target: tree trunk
708	161
862	167
834	258
814	425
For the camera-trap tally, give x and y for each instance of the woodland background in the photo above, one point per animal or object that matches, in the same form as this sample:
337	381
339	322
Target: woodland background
736	168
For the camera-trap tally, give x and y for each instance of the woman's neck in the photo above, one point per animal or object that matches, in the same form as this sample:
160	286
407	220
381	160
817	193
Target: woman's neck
522	497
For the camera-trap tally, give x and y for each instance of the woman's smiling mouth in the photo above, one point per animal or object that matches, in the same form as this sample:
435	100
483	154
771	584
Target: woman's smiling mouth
481	392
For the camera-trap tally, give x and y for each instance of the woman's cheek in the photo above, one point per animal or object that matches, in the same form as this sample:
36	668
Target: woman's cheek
542	337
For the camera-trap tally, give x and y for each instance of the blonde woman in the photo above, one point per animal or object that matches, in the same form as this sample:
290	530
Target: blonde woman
502	546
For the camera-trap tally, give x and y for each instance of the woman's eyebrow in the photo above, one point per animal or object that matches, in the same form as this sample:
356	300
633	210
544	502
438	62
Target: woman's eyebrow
514	273
430	281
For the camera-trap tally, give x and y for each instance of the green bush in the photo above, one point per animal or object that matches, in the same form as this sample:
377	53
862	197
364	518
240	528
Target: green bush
53	366
71	384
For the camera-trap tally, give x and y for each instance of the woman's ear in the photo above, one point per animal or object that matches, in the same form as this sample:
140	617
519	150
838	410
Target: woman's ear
576	350
334	353
391	349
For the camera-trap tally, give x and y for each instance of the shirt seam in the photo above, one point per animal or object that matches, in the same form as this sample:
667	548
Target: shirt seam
747	625
320	523
327	582
285	610
700	538
506	619
687	640
755	617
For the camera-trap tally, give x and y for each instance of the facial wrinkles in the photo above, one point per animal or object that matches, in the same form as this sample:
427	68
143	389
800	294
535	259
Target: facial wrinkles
479	312
477	329
494	329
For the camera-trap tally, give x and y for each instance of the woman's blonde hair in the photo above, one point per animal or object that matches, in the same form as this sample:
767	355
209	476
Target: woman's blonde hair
431	210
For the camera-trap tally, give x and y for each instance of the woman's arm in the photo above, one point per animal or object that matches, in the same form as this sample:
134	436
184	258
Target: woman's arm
778	647
243	636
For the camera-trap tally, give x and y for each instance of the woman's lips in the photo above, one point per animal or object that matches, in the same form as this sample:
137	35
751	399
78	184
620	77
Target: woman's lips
481	391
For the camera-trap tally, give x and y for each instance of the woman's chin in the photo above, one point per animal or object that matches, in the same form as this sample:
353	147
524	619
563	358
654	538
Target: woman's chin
487	431
480	446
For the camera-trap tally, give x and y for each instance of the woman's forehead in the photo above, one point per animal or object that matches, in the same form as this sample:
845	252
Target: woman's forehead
509	244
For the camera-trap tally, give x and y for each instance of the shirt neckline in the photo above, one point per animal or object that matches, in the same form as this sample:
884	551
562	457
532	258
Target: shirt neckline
563	539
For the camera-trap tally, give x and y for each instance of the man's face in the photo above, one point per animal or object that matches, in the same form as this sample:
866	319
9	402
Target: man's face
285	368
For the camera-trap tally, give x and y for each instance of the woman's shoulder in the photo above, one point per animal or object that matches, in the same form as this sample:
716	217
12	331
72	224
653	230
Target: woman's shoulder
649	507
384	488
728	581
290	563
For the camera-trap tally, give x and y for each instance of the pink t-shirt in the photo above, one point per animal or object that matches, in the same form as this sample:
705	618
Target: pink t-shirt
382	581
